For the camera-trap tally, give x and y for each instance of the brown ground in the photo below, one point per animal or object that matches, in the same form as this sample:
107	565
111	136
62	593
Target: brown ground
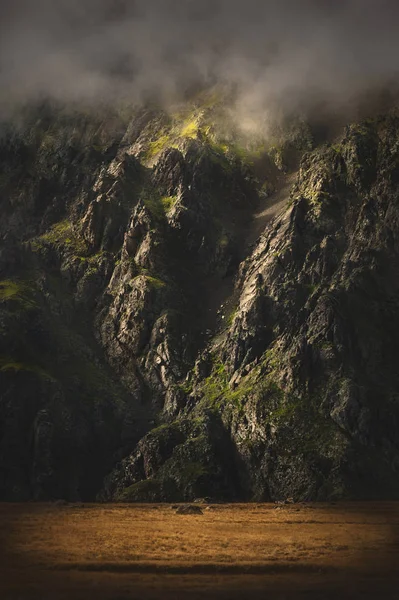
231	551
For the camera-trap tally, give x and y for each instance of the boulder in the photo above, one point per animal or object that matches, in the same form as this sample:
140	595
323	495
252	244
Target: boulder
189	510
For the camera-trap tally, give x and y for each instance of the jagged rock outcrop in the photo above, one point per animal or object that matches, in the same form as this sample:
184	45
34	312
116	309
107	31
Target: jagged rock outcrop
150	351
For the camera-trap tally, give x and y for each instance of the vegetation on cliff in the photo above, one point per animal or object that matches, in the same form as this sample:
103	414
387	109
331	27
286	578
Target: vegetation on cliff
174	323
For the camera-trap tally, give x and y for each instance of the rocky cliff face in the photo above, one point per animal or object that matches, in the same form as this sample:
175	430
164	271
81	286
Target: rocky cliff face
186	313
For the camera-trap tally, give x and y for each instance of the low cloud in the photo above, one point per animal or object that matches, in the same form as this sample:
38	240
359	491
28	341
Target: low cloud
279	55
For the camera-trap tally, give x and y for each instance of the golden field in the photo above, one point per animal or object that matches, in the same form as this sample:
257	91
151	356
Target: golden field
230	551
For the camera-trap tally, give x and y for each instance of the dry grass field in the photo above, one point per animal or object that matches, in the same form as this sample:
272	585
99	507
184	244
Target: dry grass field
252	551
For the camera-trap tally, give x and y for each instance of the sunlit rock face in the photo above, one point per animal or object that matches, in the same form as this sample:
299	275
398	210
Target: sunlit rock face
187	311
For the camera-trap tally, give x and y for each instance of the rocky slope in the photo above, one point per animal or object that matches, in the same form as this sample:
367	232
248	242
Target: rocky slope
154	346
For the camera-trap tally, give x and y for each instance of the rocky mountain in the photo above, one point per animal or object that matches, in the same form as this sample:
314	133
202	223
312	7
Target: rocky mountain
188	311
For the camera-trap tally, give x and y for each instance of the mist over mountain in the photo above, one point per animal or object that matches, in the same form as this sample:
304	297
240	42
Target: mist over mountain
199	249
278	55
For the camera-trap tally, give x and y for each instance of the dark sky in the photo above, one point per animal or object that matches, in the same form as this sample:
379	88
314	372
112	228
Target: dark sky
278	52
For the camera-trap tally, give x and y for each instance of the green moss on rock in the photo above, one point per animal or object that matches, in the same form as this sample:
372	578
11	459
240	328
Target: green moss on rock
168	202
12	365
19	293
143	491
61	235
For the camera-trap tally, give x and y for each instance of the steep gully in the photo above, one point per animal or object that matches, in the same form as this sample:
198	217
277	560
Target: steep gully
220	296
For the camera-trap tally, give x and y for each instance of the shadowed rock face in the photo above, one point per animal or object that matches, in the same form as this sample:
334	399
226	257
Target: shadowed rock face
150	350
